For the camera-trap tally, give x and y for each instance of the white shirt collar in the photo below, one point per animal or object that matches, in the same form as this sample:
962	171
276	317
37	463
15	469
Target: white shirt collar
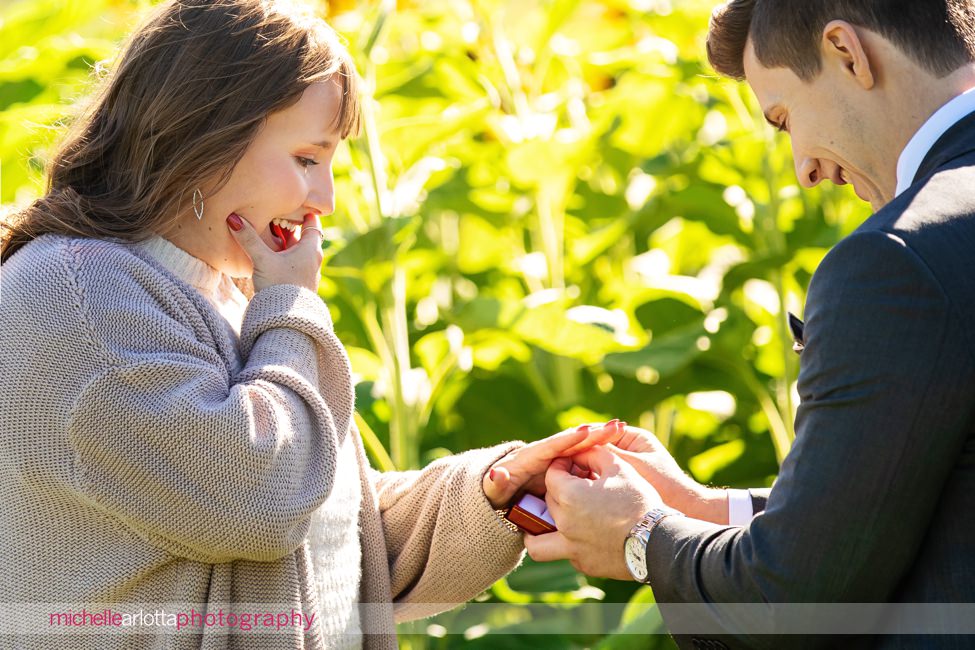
937	125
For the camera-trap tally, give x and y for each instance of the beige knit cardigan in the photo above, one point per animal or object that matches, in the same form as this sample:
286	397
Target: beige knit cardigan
148	457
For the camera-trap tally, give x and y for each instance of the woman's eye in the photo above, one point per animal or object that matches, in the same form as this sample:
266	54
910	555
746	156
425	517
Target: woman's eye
305	162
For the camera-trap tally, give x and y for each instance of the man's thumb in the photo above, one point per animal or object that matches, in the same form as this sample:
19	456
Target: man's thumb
599	459
547	547
638	460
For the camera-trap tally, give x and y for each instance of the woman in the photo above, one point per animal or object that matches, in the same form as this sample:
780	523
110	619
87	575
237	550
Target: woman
169	439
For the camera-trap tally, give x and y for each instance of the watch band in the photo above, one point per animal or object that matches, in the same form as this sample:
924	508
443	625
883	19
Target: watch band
657	515
640	534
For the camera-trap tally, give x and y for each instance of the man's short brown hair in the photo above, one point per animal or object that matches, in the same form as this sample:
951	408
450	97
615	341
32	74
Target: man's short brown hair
938	34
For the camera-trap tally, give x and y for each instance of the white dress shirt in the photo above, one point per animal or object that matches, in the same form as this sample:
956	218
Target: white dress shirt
937	125
739	507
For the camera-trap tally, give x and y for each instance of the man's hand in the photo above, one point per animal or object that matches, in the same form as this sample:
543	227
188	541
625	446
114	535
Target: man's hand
525	468
653	462
593	515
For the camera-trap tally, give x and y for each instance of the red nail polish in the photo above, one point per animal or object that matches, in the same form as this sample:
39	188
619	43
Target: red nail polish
612	422
491	474
582	427
234	222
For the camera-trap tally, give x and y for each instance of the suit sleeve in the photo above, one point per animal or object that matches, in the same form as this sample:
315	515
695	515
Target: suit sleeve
444	540
885	385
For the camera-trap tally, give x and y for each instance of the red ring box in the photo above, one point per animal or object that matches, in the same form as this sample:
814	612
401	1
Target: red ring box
531	515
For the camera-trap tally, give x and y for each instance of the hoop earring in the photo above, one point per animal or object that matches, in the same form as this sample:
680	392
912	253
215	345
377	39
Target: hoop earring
198	211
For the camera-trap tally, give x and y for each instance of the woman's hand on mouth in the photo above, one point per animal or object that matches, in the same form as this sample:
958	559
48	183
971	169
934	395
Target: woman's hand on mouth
299	263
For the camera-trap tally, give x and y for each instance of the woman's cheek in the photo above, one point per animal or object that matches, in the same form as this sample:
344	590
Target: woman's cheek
289	188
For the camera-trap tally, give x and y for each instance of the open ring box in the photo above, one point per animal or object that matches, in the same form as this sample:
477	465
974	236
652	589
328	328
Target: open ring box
531	515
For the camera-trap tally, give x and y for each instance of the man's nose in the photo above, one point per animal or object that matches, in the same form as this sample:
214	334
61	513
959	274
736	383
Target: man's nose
808	171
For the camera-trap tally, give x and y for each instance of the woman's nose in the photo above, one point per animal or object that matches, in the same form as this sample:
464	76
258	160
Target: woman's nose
321	194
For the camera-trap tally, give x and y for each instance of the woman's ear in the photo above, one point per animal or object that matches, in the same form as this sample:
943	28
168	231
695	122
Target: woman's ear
843	47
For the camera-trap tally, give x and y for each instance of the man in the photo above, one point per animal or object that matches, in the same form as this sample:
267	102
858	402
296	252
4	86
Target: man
873	503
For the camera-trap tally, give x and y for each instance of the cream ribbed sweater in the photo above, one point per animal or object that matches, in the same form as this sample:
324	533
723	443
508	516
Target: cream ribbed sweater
149	455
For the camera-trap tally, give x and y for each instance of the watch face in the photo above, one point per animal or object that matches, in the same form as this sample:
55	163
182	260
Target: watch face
636	558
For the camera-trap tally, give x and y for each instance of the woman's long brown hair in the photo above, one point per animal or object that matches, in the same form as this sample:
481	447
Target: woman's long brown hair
192	87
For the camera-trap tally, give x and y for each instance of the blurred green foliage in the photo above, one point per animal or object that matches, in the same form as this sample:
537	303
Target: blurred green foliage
557	214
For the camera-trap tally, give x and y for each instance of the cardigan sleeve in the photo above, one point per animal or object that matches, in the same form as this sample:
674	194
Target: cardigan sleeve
201	462
445	542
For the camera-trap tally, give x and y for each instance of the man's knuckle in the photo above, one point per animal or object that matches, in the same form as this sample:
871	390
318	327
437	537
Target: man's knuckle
567	497
551	485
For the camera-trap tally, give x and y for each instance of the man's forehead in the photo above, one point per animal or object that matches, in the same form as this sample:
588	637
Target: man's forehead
759	78
750	63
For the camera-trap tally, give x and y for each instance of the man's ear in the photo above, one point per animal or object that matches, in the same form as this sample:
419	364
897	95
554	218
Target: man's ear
843	47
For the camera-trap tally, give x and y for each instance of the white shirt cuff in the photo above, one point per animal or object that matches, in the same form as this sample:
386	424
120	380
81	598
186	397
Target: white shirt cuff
739	507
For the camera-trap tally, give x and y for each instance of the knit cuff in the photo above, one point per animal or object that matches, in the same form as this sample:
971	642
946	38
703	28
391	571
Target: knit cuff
509	531
284	305
471	548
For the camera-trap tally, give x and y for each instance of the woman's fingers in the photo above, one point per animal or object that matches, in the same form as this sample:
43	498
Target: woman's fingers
500	490
500	479
298	263
247	238
535	458
525	468
497	486
638	440
311	232
556	445
598	461
547	547
598	435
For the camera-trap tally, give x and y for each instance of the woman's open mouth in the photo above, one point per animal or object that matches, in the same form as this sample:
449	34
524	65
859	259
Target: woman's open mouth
289	232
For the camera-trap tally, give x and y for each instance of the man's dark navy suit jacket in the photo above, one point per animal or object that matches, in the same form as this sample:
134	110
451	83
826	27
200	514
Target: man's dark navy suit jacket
875	503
